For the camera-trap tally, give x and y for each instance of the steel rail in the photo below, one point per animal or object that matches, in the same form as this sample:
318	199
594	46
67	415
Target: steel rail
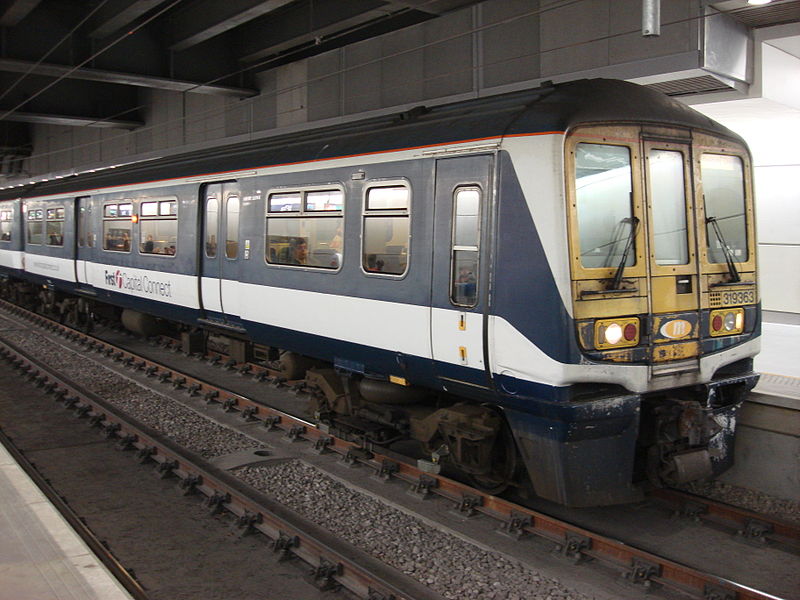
637	566
752	526
103	554
334	562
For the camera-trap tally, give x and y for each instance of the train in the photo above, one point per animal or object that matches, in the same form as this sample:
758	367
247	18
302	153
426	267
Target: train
551	290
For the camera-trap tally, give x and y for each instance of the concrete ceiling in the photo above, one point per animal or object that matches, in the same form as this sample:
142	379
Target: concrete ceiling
84	61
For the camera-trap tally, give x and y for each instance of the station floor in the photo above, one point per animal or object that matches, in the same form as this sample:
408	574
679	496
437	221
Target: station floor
42	558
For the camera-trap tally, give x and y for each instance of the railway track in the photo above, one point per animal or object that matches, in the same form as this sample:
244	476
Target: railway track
331	564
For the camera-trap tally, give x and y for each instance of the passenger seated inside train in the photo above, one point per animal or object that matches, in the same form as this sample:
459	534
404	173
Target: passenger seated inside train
374	264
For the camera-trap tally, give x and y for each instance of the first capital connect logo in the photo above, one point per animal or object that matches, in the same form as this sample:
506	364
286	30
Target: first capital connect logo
138	284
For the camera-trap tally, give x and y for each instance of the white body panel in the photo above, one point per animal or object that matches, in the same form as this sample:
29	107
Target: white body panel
231	297
12	259
50	266
450	337
171	288
210	293
388	325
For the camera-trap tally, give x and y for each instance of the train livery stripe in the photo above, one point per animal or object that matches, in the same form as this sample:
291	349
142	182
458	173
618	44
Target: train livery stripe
51	267
172	288
357	320
11	259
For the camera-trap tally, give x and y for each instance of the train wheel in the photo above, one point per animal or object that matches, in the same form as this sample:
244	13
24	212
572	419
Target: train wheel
505	461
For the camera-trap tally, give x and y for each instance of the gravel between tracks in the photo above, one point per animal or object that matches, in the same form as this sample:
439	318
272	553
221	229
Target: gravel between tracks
788	510
184	426
452	567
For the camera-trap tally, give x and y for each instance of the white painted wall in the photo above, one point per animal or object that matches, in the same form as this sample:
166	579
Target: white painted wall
771	127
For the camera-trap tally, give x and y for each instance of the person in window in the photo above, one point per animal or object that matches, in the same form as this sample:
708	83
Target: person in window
170	250
336	241
465	276
298	251
126	242
374	264
147	247
211	245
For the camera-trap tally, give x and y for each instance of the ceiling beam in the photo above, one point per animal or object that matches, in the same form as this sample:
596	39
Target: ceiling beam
120	13
205	19
13	12
303	27
148	81
71	121
433	7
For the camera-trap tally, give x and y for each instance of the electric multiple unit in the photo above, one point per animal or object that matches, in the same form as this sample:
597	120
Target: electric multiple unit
553	289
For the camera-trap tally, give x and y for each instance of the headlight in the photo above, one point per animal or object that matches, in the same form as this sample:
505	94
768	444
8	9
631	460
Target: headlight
726	321
616	333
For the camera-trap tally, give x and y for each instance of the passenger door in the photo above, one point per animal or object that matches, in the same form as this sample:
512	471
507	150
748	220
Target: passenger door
219	252
85	239
462	198
673	263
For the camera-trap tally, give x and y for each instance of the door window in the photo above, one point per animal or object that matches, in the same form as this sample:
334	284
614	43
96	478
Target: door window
232	229
465	246
668	197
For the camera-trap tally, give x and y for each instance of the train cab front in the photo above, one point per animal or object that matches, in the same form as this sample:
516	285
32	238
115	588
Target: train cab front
664	289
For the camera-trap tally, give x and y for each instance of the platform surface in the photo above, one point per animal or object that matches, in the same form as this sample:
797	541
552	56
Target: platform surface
779	362
41	556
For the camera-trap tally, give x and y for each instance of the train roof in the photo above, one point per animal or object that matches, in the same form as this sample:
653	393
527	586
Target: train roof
549	108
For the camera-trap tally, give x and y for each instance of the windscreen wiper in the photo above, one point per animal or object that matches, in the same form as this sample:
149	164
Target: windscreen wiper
615	283
725	250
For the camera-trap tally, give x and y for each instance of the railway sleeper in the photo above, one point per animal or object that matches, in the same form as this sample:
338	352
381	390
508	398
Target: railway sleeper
323	576
515	526
283	544
166	468
468	505
756	532
574	547
714	592
246	523
216	502
641	573
188	484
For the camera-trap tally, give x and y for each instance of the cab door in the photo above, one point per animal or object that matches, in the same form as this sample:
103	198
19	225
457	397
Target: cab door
462	198
673	262
219	252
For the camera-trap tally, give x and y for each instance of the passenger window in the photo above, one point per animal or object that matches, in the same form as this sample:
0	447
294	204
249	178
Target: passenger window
6	223
306	228
117	227
35	226
465	246
85	234
55	227
232	229
212	222
386	229
158	227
